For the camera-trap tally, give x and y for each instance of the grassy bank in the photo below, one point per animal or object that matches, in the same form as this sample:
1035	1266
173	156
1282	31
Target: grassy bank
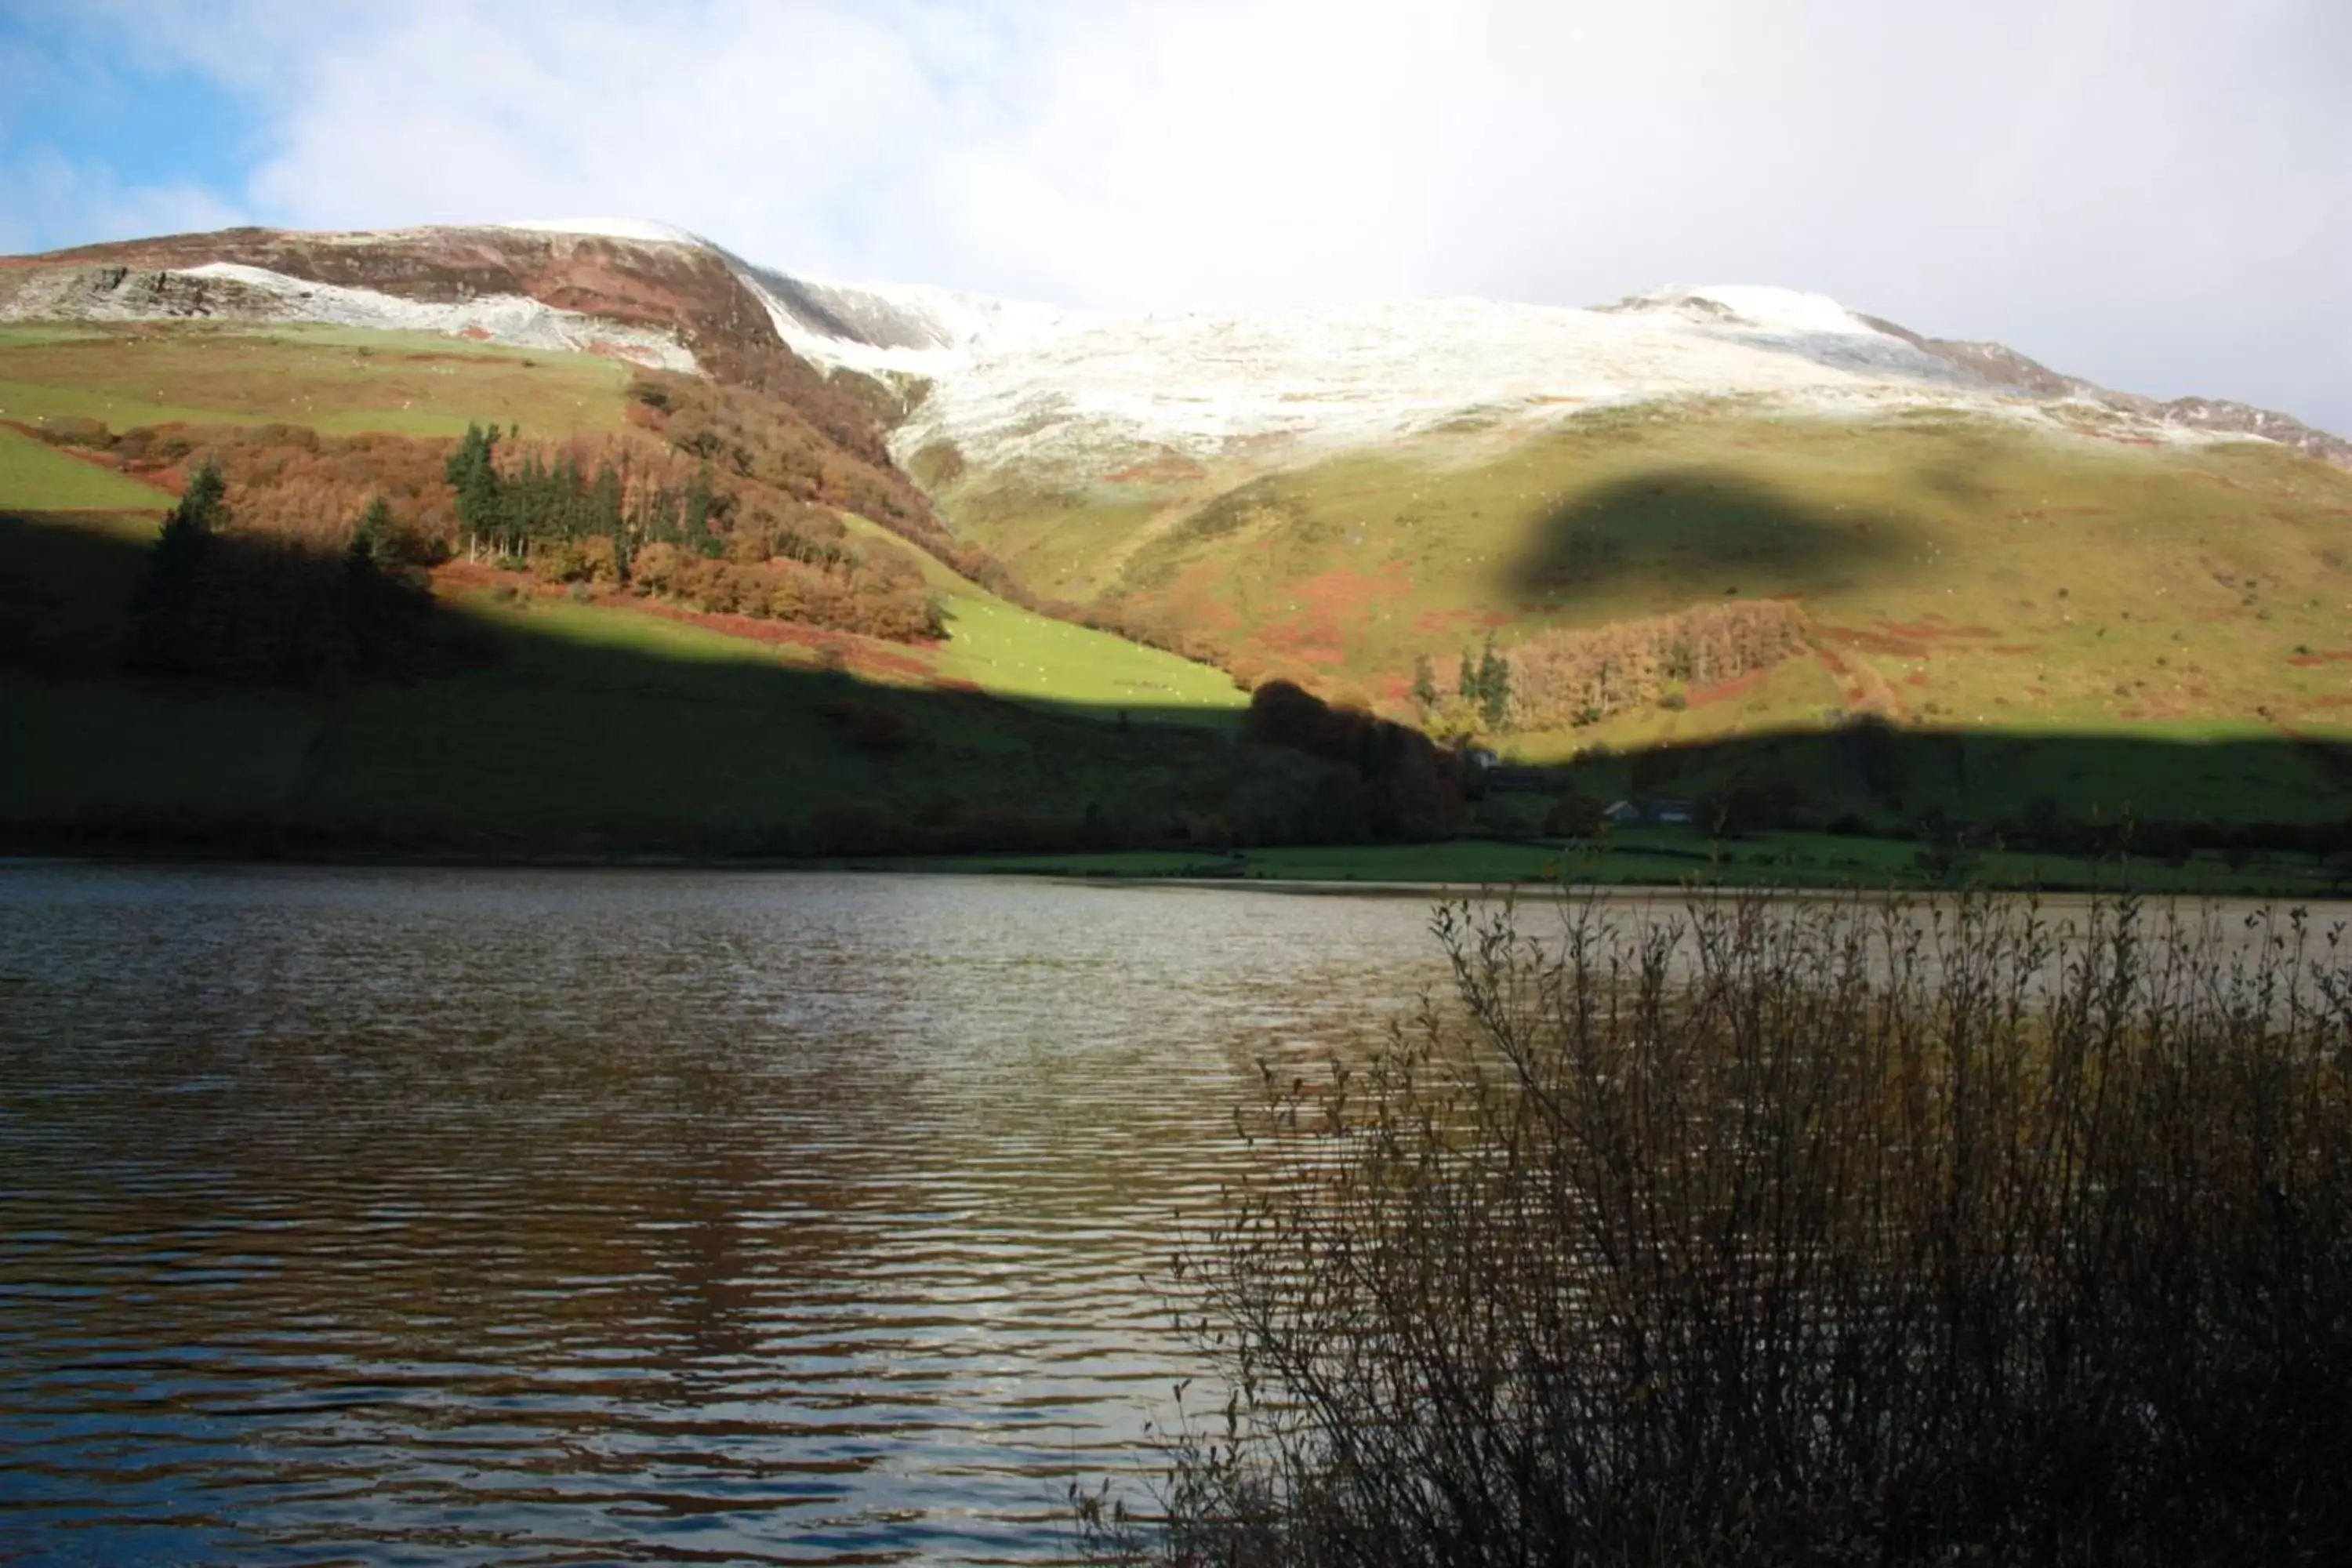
1668	857
37	477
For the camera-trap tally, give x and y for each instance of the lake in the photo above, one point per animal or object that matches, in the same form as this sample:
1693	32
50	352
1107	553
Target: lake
455	1216
435	1216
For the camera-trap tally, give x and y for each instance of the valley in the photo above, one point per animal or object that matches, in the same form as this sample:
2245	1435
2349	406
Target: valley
769	567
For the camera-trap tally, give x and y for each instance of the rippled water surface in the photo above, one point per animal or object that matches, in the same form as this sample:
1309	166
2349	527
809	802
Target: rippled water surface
430	1216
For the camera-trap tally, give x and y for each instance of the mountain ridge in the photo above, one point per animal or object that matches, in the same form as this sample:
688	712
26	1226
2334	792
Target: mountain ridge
653	278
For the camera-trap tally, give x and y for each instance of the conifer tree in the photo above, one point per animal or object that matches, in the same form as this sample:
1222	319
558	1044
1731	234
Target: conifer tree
1494	686
189	526
203	505
165	607
698	537
1424	684
604	516
472	470
371	535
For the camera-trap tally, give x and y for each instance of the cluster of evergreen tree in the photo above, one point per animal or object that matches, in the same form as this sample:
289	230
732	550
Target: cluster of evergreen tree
537	503
1484	683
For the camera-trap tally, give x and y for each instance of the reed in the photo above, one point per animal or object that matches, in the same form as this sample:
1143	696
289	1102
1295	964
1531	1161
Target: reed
1785	1232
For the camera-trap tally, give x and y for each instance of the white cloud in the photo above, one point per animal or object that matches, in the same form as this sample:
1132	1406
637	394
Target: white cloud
2155	193
44	194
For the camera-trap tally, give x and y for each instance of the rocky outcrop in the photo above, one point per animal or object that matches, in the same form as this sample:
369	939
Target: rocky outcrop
115	292
1996	365
681	288
2222	416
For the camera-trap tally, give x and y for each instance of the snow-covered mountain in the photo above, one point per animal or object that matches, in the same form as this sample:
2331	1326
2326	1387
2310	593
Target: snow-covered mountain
1349	375
1031	383
1006	381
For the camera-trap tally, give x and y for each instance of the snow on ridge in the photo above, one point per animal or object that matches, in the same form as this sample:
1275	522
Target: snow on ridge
1753	306
1355	374
914	329
1010	377
971	323
637	228
1020	381
515	319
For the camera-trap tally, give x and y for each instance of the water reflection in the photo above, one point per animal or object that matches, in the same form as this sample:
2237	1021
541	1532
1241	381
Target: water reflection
449	1216
461	1216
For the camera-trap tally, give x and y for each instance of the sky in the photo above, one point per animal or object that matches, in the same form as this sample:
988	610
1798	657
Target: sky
2154	194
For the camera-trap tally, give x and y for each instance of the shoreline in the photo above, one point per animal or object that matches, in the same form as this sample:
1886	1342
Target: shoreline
1485	866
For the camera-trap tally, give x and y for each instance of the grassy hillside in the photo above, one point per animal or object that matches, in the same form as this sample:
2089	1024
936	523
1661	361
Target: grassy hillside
586	717
334	380
347	381
2075	629
35	476
1954	572
1003	649
565	728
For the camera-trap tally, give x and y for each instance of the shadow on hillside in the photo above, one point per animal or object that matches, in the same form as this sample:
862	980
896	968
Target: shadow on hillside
540	743
526	727
65	589
1687	534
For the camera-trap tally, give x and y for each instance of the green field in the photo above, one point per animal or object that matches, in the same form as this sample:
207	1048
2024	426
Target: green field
37	477
338	381
1008	651
1013	652
18	334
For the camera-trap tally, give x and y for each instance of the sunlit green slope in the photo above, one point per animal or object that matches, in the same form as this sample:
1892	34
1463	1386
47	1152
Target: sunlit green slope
346	381
1951	570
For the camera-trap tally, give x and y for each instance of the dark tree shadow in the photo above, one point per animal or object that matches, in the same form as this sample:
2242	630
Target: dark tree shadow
275	720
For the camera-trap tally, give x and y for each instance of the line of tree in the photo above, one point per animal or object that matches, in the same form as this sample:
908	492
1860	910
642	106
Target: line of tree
735	498
1579	676
535	501
1480	698
1484	683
